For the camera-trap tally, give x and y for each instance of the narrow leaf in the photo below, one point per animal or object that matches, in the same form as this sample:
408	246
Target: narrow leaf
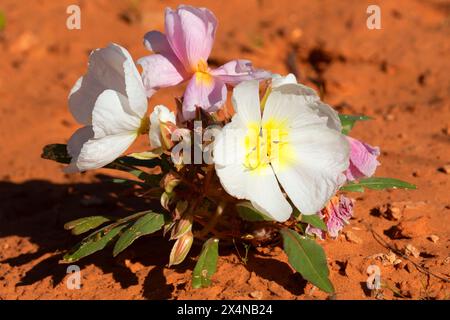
206	265
82	225
249	213
315	221
308	258
377	183
348	121
129	182
56	152
149	223
93	243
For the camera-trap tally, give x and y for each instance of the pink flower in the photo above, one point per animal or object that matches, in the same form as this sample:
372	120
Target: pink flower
363	160
336	215
181	54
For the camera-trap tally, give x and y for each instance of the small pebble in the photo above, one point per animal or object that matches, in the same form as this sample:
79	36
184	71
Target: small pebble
445	169
412	251
409	267
433	238
350	236
256	295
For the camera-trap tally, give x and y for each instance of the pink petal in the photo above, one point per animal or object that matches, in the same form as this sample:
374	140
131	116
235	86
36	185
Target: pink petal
236	71
338	215
363	160
207	93
319	233
161	71
157	42
190	32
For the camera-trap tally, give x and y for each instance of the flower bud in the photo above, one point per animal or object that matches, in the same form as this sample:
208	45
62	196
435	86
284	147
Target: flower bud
182	226
166	200
181	248
169	182
180	209
166	129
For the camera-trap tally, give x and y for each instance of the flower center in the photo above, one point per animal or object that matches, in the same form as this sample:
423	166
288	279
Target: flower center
267	143
201	73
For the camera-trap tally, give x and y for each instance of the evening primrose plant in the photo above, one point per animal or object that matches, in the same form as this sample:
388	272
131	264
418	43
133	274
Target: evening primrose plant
276	172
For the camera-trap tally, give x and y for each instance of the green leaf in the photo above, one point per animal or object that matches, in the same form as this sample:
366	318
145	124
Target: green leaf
206	265
308	258
93	243
315	221
82	225
249	213
348	121
377	183
56	152
149	223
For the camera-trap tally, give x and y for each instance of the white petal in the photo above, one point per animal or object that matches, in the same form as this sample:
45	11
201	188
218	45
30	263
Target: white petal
259	186
324	110
246	102
76	141
109	116
109	68
229	146
292	109
278	80
310	98
90	153
261	189
321	155
160	114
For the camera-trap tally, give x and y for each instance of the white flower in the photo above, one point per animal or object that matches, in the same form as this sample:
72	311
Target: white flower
111	103
160	115
295	144
311	98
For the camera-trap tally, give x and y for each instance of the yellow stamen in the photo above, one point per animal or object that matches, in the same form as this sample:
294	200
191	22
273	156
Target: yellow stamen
267	143
201	73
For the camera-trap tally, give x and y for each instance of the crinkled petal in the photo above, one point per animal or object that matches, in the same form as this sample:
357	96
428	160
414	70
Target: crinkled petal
338	213
190	32
160	114
319	233
109	68
237	71
363	160
203	91
161	71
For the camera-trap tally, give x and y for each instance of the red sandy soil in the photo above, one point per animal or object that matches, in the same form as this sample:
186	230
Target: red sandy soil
398	75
